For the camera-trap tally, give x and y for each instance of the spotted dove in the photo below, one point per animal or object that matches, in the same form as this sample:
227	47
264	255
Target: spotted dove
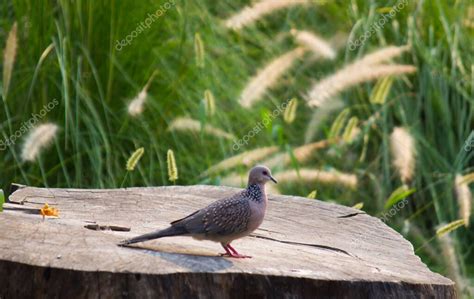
224	220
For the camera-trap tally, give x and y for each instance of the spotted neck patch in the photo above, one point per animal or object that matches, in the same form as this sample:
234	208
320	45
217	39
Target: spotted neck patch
255	192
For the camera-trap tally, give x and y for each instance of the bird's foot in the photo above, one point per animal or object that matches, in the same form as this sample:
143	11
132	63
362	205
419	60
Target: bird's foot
238	255
231	252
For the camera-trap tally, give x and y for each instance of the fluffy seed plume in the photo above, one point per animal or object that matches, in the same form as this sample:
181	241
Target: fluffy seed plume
351	76
134	158
240	180
469	19
380	56
39	138
234	180
319	116
272	189
246	158
268	77
192	125
9	58
316	44
289	114
301	154
172	169
137	105
464	197
468	178
248	15
402	146
209	102
450	256
447	228
199	50
366	69
324	177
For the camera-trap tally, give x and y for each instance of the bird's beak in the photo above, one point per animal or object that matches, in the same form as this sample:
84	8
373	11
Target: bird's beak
273	179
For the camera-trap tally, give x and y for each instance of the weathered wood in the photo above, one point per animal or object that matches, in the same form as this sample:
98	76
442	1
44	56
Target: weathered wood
305	248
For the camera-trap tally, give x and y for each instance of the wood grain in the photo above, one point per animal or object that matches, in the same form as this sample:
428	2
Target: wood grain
304	248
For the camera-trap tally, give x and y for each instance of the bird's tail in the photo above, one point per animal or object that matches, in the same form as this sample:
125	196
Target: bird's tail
167	232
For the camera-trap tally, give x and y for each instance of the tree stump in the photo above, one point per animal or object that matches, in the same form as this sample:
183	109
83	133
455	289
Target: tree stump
304	249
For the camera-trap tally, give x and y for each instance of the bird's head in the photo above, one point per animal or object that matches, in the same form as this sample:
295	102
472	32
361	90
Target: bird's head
260	175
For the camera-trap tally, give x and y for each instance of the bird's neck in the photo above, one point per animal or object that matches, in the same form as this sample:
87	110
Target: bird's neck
256	192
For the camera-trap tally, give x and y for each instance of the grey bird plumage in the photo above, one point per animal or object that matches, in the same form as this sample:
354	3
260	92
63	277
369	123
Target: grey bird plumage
224	220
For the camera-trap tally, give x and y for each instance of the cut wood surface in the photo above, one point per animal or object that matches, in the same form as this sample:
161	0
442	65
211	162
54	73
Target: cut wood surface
304	248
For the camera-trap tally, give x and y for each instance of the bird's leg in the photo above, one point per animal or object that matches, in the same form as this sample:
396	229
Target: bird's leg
227	251
236	254
231	252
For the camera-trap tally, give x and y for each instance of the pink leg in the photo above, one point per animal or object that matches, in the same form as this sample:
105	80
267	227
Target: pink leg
227	251
236	254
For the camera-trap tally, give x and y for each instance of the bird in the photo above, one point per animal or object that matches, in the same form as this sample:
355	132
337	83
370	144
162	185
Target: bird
224	220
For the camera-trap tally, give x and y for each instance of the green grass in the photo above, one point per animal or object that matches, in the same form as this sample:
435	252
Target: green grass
94	82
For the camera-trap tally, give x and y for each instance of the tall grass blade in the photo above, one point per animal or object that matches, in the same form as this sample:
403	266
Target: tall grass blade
2	200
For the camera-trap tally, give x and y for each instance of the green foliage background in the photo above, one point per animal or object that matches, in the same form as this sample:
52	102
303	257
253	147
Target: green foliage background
94	82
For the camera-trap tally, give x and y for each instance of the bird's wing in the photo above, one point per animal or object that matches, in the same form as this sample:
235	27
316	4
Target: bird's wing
176	222
223	217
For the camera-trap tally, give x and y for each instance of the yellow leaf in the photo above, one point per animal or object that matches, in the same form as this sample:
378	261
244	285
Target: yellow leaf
46	210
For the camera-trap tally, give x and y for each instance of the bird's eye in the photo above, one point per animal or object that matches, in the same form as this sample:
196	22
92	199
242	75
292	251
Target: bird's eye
265	173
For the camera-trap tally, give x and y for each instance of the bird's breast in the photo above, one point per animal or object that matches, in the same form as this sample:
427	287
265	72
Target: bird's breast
257	213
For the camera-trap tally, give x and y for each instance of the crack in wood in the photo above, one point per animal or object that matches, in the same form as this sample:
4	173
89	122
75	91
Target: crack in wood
305	244
267	230
352	215
107	227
